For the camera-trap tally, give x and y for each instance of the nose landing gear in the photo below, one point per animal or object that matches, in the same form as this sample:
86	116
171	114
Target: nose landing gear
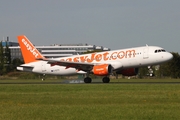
150	71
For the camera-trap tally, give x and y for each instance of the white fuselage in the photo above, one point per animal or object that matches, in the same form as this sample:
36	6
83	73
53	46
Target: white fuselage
119	59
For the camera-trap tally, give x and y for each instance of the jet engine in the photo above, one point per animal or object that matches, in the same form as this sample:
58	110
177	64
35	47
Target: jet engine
128	72
102	70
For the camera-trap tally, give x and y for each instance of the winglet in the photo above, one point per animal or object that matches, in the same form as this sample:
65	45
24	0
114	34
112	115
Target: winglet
29	52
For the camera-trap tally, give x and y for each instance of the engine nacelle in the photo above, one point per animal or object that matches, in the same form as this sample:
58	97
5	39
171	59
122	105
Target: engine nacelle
128	72
102	70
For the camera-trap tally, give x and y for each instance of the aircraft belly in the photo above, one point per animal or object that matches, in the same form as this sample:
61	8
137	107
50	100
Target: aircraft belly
59	70
149	61
130	63
69	71
37	69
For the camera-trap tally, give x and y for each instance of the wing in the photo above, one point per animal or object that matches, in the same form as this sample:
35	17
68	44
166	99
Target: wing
67	64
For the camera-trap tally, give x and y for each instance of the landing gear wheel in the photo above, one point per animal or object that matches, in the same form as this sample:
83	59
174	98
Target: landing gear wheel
43	77
105	79
87	80
151	75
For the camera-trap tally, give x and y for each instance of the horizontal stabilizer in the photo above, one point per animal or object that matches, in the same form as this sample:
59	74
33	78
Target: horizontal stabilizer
27	66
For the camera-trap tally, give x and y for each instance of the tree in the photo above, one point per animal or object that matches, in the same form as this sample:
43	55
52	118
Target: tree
172	68
16	62
7	59
1	59
143	71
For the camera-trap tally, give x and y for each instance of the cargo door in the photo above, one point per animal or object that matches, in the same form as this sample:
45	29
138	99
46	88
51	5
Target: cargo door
43	67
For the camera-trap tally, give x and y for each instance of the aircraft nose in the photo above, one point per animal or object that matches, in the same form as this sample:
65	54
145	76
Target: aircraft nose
169	56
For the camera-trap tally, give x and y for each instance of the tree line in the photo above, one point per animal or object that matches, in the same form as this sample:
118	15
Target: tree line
169	69
6	63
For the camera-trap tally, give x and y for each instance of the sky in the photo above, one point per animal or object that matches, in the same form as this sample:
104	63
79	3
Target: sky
114	24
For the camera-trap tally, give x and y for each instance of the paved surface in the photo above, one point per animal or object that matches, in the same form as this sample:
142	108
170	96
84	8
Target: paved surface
81	82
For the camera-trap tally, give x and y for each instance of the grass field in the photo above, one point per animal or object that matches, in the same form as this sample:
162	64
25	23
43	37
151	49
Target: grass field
90	101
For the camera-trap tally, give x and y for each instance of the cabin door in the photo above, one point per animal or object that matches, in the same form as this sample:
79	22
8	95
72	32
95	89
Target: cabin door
145	52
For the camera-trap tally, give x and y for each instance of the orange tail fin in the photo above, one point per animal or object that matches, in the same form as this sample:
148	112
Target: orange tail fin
29	52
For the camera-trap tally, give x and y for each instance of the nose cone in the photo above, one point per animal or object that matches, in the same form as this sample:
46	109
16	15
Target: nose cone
168	56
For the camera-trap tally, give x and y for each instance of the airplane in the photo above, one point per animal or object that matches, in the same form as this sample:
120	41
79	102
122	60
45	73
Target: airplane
123	61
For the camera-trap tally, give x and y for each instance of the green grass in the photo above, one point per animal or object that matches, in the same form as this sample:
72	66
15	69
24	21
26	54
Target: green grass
89	101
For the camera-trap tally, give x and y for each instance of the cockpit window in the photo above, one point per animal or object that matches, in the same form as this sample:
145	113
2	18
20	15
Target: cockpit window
160	50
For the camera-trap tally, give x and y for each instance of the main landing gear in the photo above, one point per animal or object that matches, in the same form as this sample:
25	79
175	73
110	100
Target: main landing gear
104	80
87	80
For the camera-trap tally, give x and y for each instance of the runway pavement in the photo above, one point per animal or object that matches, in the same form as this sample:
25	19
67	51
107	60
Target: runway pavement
82	82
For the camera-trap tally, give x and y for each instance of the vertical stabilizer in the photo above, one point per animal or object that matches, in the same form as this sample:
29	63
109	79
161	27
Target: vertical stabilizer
29	52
